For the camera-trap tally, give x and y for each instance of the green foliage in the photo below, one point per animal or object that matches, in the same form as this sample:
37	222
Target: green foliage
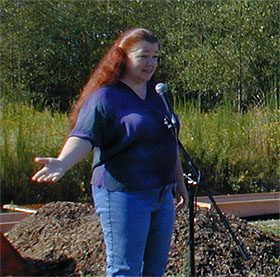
212	51
239	153
221	56
26	134
50	47
224	50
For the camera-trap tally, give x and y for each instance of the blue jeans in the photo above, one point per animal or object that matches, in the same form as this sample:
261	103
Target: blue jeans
137	229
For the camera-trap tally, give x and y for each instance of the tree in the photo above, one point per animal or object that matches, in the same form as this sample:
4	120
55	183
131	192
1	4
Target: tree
211	51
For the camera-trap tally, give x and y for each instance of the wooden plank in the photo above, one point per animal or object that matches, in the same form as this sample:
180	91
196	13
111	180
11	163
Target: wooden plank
241	197
242	205
9	220
251	208
245	205
12	217
26	208
7	226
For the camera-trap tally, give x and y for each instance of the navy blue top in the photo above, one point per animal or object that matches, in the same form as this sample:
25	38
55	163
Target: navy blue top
133	148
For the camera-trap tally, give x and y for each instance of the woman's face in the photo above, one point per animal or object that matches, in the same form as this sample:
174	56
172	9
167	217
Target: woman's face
141	62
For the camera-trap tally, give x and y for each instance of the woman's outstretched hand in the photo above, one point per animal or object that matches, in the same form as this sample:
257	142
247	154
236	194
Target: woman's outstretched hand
73	151
52	171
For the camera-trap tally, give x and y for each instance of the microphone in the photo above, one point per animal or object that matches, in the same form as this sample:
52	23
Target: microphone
161	90
170	120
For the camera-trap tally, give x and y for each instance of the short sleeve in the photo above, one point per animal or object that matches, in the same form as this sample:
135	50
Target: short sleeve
92	120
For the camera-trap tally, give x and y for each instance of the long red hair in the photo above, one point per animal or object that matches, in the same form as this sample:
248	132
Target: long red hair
112	66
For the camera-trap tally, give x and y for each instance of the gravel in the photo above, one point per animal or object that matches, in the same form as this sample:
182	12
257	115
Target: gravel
65	239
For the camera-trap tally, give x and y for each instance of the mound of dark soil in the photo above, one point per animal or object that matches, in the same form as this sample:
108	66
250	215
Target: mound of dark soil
65	238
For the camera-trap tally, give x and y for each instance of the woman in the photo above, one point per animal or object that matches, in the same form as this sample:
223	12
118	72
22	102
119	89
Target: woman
136	163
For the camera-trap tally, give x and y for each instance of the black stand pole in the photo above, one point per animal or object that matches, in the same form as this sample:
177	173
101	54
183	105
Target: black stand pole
191	193
193	181
192	186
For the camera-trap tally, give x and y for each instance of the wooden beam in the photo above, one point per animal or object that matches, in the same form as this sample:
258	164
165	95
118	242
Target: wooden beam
244	205
9	220
25	208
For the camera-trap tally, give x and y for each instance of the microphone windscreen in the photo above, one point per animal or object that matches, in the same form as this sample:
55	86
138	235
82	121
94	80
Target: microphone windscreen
161	88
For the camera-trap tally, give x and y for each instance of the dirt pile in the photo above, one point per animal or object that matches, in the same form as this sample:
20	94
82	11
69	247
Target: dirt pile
65	239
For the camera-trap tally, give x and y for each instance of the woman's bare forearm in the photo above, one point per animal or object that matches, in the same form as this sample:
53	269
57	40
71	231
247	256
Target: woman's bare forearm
74	150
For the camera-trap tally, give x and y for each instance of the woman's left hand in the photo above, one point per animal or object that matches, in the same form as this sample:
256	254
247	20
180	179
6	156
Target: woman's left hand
181	195
181	192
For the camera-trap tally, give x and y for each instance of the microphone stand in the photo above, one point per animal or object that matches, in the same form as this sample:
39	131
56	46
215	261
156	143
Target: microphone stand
192	188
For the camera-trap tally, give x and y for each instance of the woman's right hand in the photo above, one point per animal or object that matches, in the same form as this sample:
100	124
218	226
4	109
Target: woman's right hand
52	171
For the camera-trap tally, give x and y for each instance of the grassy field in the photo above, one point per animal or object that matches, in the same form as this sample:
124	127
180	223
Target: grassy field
26	134
239	153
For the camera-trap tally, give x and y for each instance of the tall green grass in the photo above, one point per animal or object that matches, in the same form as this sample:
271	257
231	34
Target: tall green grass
238	153
26	134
